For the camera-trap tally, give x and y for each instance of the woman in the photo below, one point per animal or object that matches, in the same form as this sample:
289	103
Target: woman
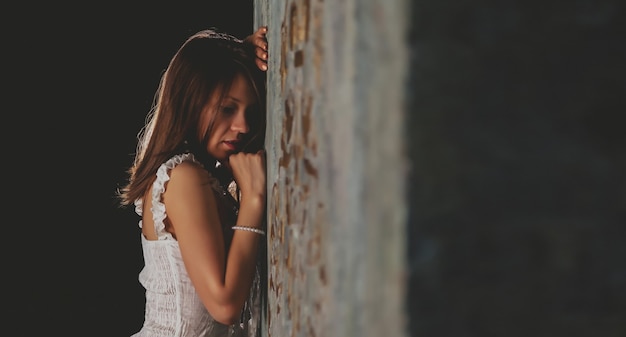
198	183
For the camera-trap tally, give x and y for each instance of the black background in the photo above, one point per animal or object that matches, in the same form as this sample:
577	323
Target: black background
79	82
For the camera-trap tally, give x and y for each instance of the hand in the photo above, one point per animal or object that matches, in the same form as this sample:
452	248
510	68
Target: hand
258	41
249	173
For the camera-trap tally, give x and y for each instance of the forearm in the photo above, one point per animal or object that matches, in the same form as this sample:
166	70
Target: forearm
243	252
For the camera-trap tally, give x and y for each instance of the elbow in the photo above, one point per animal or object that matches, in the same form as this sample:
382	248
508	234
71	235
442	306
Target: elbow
226	314
223	305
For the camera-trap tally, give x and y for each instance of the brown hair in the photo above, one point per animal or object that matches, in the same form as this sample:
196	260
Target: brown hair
205	64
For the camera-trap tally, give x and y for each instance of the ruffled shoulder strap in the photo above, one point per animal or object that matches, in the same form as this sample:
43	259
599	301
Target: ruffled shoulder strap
158	187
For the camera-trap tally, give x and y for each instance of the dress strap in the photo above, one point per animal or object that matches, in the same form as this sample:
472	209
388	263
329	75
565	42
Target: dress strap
158	187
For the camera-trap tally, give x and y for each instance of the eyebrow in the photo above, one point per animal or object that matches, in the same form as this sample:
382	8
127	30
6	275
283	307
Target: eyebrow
233	98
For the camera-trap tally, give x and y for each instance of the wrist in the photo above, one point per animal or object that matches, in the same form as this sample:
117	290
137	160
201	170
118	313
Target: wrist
251	210
252	202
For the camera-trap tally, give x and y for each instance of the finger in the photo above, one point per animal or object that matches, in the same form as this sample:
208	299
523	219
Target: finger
260	43
262	154
260	39
261	31
260	53
261	58
261	64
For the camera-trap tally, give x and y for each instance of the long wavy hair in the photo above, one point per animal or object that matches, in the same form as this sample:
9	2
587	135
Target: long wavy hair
205	64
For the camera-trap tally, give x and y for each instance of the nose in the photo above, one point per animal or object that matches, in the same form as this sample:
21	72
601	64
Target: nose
239	123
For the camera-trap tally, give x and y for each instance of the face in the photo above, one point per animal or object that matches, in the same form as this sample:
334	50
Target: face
230	123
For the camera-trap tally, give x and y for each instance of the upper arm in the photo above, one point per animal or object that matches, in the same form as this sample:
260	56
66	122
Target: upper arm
193	214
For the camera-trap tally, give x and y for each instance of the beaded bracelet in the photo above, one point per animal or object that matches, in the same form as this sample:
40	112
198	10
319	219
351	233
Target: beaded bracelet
250	229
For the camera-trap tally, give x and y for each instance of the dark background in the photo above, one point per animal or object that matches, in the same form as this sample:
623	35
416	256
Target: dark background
518	186
80	83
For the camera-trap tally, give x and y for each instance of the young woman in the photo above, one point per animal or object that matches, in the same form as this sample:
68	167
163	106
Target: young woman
198	183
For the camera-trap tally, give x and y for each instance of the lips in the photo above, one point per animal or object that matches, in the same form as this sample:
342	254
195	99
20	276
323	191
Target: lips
231	144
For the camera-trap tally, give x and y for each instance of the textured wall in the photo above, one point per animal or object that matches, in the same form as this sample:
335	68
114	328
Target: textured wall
518	207
336	167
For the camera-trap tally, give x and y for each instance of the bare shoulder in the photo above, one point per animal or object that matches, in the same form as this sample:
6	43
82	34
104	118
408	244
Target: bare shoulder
188	190
189	200
188	181
188	173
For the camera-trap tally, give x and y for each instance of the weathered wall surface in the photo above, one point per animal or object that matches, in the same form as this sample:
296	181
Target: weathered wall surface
515	208
336	167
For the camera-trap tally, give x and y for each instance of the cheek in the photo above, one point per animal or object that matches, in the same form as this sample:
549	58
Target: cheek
204	123
217	133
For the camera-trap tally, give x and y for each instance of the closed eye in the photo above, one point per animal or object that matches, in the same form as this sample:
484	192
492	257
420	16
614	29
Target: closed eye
228	109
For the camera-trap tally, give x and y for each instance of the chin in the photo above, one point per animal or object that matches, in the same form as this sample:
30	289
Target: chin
224	157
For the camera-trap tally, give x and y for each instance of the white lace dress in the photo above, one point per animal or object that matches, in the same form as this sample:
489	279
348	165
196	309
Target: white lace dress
173	308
